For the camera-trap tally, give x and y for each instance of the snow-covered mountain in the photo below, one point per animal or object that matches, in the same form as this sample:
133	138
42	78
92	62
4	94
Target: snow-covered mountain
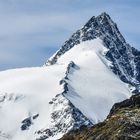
124	58
94	69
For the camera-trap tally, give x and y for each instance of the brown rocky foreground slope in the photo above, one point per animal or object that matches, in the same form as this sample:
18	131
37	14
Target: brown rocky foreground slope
122	123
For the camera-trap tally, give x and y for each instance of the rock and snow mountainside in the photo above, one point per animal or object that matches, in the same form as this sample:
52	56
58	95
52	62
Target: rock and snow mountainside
78	86
124	58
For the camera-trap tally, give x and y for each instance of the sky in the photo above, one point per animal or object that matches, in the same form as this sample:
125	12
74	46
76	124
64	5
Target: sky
32	30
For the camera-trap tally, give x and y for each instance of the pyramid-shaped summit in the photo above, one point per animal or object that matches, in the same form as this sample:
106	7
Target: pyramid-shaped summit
101	26
124	58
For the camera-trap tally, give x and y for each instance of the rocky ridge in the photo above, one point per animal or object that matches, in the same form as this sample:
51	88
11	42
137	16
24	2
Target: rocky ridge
65	115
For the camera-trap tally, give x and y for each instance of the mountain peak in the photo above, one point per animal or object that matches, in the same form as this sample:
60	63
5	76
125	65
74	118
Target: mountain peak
123	57
101	27
104	14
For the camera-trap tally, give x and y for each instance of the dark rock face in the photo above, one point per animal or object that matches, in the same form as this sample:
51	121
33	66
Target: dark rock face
26	123
123	123
125	59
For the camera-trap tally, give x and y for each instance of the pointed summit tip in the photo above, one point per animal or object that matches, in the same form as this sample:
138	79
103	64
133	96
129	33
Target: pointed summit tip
100	18
104	14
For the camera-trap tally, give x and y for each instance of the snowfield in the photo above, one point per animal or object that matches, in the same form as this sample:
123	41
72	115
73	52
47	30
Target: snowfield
26	93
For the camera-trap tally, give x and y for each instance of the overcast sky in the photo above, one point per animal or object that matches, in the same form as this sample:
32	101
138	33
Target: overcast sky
32	30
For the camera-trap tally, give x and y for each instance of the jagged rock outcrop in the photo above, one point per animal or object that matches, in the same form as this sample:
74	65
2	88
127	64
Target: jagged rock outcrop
65	117
123	123
27	122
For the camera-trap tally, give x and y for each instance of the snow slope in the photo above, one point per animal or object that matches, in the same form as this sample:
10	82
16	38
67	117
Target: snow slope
24	93
27	95
93	88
